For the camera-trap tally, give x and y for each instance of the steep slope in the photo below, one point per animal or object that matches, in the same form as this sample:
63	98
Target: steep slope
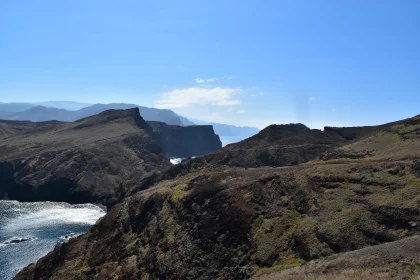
393	260
201	220
237	223
149	114
71	111
95	159
399	140
292	144
277	145
91	160
8	128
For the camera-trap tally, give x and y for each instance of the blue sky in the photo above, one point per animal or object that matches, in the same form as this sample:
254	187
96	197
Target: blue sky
240	62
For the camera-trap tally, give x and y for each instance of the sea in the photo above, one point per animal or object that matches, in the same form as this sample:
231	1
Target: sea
28	231
226	140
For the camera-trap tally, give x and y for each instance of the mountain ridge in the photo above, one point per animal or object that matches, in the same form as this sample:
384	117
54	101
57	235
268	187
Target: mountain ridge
93	160
22	111
221	220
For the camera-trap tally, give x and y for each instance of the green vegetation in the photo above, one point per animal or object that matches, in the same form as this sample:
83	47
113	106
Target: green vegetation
178	193
287	263
272	235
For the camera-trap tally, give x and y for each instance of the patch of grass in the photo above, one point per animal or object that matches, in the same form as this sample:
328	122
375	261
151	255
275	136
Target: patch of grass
272	236
131	244
405	129
335	205
246	194
146	249
178	193
342	275
161	256
285	264
170	236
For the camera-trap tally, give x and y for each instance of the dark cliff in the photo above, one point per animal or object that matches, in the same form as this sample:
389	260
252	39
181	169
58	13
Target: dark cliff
200	220
237	223
95	159
178	141
91	160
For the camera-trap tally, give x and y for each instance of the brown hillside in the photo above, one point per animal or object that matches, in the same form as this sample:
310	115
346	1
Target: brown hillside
205	220
91	160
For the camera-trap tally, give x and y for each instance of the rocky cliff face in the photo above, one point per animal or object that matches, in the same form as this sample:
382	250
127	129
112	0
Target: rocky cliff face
237	223
95	159
92	160
204	221
183	142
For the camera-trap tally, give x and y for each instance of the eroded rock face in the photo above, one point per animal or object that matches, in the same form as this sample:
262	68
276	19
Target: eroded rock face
96	159
234	223
207	218
91	160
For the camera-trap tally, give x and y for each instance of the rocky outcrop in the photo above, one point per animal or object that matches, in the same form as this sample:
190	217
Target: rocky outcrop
92	160
183	142
277	145
294	144
19	240
95	159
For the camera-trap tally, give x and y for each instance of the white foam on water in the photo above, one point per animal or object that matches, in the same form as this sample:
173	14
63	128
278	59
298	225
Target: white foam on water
38	214
69	236
175	161
45	223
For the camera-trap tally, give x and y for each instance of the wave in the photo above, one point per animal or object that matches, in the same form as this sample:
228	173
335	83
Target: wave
175	161
38	214
18	240
30	230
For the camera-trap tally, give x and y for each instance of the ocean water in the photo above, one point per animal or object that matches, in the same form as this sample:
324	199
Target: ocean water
40	226
226	140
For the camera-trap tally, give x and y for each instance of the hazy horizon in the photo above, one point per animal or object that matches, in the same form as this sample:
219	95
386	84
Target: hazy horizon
248	63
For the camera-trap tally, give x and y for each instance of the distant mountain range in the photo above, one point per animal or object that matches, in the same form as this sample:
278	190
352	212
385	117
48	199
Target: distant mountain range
70	111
